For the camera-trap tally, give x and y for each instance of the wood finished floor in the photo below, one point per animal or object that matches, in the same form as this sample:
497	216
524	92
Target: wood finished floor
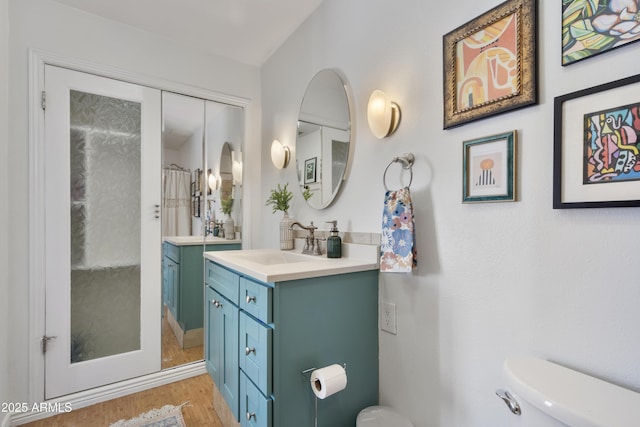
172	354
198	391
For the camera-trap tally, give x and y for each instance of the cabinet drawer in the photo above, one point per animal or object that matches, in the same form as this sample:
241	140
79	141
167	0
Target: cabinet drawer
255	352
224	281
172	252
255	409
255	298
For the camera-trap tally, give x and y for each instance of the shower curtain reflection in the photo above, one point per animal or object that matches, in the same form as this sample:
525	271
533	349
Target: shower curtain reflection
176	212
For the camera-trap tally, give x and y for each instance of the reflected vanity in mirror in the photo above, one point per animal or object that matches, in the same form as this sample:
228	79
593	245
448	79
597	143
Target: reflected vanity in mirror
323	143
196	179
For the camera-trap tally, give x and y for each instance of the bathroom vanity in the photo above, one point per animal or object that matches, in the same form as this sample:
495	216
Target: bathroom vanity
271	315
182	283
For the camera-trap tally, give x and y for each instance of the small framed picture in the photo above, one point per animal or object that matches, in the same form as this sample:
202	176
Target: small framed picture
310	170
597	146
489	169
490	64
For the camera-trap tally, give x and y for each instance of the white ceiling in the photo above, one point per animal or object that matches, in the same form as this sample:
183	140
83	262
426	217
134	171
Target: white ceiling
248	31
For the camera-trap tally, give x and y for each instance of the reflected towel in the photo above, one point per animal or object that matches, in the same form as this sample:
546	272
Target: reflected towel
397	248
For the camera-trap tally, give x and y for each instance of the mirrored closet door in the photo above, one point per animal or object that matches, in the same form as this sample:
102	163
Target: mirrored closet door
202	148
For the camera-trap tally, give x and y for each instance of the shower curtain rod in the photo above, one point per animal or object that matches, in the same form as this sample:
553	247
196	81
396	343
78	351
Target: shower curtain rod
173	166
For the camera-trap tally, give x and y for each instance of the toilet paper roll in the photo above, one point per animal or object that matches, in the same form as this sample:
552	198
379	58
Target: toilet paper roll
328	380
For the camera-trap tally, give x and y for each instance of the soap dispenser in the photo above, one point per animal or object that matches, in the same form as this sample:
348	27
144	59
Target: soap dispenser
334	242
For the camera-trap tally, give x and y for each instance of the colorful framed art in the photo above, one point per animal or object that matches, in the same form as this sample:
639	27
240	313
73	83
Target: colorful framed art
490	63
489	169
591	27
597	146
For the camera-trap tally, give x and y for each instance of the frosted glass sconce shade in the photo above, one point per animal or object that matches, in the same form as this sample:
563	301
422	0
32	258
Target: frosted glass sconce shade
280	154
383	114
237	172
236	167
213	182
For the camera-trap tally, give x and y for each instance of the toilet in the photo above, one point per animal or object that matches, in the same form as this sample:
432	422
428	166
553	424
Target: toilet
540	393
381	416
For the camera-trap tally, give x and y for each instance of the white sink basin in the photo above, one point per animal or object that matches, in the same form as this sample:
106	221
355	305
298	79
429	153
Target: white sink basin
276	258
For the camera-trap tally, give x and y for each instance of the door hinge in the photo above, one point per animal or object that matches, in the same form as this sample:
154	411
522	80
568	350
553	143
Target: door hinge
44	100
45	339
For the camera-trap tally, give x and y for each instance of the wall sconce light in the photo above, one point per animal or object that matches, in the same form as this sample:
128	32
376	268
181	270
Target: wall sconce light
236	167
280	154
383	114
213	181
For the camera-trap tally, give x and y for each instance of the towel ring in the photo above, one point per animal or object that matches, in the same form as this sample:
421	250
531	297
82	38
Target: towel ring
407	162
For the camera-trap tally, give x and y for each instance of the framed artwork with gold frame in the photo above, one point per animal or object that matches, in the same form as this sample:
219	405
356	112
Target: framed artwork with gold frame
490	63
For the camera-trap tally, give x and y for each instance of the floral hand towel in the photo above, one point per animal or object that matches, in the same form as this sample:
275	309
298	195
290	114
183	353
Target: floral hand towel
397	250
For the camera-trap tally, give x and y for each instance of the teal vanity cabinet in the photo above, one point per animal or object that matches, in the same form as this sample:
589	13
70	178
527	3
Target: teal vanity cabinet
182	265
283	329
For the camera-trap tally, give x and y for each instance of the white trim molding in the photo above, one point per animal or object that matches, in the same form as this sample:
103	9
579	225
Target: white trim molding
6	420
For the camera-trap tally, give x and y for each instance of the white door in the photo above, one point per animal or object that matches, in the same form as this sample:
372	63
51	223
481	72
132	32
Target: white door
103	238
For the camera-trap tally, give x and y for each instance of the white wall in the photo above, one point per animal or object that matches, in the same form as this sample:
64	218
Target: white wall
494	280
4	202
48	26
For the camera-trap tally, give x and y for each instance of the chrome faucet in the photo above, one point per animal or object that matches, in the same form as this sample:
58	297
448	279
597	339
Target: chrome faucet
311	245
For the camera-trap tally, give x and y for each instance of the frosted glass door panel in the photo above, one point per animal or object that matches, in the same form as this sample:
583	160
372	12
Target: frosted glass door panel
102	231
105	225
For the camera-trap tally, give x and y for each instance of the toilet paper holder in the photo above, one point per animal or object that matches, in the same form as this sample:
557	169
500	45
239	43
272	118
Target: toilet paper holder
307	372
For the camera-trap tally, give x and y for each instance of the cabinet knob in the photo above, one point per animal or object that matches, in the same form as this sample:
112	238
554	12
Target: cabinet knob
251	415
216	303
250	299
248	350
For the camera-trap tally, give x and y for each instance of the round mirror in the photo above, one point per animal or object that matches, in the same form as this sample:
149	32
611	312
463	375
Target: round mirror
324	135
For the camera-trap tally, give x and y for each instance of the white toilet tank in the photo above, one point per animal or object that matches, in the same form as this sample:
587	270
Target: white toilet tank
550	395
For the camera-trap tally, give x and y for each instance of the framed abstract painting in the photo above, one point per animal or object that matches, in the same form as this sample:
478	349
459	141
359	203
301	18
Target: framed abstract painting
490	63
489	169
597	146
591	27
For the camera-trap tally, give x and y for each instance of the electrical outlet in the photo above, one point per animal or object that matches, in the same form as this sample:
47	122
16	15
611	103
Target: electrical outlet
388	317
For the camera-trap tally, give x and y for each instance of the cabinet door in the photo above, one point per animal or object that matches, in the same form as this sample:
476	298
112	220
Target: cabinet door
229	374
213	333
165	281
173	285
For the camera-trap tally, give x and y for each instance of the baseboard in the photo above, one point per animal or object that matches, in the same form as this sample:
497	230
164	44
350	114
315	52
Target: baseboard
109	392
6	420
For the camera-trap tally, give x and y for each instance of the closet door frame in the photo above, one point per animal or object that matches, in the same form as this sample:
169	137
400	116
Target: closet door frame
36	281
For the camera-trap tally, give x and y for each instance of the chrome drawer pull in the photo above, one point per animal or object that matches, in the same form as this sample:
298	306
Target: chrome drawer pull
251	415
250	299
217	303
248	350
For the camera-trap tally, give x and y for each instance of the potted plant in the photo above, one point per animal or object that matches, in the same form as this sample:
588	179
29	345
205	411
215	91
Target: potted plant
279	200
229	226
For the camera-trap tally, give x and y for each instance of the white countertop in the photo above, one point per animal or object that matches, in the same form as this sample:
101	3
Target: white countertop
273	265
198	240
